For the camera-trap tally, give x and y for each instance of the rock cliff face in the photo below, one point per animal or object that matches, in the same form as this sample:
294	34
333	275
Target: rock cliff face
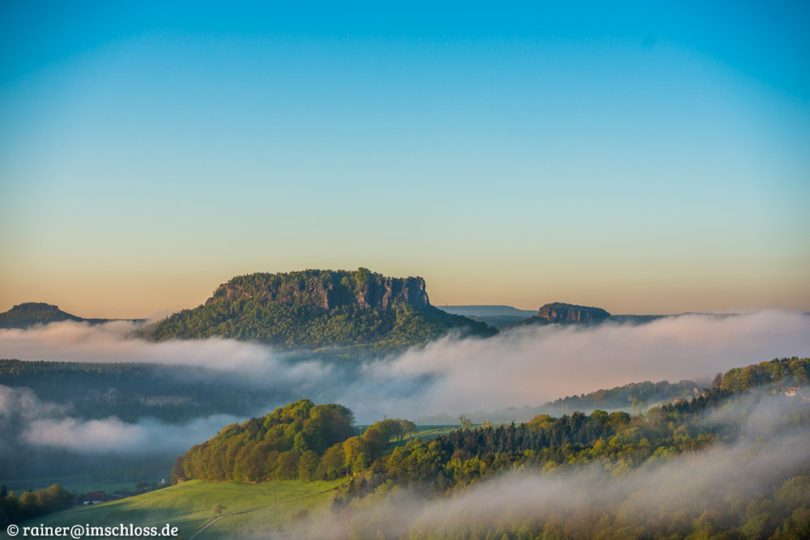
327	289
559	312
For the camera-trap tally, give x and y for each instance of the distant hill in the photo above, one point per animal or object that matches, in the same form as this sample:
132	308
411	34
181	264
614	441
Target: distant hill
497	316
316	309
31	313
553	313
623	397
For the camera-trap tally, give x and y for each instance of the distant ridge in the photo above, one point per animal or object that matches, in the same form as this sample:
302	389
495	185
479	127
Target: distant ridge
488	311
497	316
29	314
610	399
317	309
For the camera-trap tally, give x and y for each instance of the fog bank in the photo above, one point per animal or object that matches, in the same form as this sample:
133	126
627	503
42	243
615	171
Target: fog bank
24	418
526	366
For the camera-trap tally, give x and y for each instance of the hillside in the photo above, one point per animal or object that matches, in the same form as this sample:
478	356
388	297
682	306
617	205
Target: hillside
318	308
657	458
300	441
308	441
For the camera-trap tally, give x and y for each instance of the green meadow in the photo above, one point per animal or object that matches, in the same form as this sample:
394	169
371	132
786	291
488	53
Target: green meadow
192	507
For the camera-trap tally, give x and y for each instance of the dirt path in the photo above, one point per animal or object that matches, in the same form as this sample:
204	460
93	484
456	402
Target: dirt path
201	529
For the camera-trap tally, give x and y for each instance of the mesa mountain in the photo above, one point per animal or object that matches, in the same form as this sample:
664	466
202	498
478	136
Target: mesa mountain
316	309
30	313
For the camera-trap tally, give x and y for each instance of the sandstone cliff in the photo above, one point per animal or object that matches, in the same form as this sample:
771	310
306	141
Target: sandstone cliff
327	289
561	313
558	312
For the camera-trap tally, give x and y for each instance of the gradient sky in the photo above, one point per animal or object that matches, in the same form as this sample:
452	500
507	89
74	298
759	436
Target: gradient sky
646	157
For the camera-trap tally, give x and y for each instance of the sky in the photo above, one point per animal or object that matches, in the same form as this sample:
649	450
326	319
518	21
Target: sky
643	157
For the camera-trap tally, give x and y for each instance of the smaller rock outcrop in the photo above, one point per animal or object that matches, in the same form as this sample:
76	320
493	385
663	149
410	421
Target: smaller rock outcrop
559	312
562	313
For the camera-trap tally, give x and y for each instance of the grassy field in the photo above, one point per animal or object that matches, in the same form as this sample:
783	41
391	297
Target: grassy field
190	506
430	432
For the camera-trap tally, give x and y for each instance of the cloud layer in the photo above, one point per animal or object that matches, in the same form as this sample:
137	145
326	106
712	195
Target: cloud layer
111	435
527	366
532	365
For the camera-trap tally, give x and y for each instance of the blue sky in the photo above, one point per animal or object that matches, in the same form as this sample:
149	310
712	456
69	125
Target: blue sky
646	158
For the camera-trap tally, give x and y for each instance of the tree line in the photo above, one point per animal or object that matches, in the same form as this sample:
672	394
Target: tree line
31	504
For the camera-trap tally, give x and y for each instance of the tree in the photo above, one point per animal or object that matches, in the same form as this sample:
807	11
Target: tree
390	428
28	504
408	428
375	441
307	465
287	465
465	422
638	405
332	464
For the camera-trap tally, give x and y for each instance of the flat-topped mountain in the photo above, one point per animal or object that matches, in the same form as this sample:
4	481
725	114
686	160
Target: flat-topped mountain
318	308
31	313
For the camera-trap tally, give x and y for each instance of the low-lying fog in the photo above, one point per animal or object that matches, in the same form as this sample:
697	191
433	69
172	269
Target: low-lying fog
527	366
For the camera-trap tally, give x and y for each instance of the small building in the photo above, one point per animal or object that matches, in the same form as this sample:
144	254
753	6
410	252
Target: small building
94	497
